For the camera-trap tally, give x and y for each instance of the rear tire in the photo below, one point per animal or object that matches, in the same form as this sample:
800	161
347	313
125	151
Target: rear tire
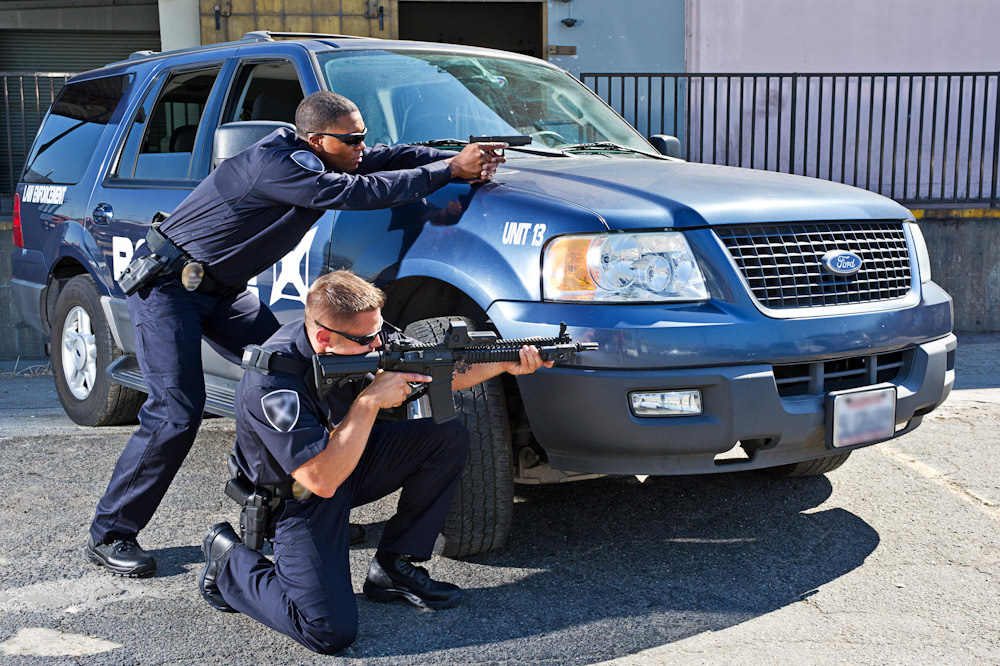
811	467
480	515
82	350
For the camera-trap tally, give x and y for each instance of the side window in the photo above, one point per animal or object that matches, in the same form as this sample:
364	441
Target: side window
264	91
160	142
68	138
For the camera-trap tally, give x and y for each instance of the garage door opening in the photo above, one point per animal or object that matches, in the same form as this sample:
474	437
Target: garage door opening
511	26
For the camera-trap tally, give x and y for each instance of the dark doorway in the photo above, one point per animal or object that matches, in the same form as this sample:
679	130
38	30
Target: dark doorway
511	26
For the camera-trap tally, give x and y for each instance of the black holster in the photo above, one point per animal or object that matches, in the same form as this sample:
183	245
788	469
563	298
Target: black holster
256	506
164	257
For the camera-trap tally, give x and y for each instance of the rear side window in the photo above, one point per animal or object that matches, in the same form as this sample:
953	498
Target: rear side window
264	91
160	142
69	135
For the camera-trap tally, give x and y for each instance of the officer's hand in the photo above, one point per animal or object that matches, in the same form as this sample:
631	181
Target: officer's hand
530	361
478	161
390	389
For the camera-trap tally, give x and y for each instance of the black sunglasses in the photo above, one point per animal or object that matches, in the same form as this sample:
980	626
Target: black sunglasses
360	339
352	139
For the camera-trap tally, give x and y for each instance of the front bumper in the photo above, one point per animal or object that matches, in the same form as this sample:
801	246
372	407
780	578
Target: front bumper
741	403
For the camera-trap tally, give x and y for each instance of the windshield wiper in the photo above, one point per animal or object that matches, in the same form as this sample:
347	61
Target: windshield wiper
533	150
609	146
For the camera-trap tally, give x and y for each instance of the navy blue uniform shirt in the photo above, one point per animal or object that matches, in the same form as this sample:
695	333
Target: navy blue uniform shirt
255	207
279	424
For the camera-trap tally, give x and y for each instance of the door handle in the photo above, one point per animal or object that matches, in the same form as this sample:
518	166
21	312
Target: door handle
103	214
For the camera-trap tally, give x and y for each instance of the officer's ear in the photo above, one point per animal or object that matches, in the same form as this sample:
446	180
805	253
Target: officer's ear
315	142
322	338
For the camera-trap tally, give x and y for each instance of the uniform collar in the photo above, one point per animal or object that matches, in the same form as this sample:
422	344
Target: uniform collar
293	138
302	345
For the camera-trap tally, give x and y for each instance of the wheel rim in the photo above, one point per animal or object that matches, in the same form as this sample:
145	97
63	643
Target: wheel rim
79	353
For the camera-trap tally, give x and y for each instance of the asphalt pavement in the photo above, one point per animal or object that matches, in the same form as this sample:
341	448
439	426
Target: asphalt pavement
892	559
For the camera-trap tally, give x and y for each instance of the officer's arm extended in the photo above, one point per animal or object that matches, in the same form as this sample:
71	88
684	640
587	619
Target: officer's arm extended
324	473
288	181
381	157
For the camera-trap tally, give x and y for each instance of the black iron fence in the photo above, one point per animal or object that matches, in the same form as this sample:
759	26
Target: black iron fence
915	137
27	96
918	138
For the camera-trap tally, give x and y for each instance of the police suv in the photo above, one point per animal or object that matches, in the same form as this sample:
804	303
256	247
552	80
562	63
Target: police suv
745	319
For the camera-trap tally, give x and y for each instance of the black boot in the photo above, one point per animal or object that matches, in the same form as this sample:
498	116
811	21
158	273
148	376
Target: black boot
392	576
122	557
218	544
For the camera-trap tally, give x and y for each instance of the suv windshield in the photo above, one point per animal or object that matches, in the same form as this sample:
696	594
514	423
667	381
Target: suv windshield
414	96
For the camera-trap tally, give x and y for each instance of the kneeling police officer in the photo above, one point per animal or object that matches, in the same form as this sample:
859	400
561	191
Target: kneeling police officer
189	280
321	458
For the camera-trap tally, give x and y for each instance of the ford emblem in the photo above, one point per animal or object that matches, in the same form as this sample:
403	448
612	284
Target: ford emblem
841	262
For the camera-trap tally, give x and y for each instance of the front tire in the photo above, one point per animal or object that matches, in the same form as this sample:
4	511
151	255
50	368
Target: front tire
811	467
480	515
82	349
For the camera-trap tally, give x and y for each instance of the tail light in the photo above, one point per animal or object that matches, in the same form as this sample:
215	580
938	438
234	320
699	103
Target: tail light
18	236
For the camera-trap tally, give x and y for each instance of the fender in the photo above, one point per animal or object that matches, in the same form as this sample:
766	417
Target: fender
70	239
488	245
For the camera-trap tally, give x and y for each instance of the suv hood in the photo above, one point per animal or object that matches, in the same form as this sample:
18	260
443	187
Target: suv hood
632	193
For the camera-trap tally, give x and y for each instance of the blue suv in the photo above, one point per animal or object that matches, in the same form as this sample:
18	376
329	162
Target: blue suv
746	319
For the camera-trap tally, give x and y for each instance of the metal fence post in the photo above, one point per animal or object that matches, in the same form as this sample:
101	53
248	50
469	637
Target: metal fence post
794	111
996	147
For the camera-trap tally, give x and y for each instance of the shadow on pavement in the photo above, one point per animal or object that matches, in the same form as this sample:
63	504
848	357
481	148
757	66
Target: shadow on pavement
173	561
615	567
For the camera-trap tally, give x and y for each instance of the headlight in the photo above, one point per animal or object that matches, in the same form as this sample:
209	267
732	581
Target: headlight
622	267
923	258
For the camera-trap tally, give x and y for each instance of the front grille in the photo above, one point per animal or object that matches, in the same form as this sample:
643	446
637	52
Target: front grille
822	377
781	262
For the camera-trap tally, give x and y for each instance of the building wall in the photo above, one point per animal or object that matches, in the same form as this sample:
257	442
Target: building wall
180	24
964	248
842	35
96	15
349	17
622	36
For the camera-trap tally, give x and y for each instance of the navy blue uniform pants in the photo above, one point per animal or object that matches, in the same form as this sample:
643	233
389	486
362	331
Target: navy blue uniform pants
168	323
306	592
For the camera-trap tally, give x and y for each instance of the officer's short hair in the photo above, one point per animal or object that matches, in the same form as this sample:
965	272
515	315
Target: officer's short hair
341	295
320	111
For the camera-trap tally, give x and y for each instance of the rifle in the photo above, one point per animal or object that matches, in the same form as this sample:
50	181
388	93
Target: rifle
439	360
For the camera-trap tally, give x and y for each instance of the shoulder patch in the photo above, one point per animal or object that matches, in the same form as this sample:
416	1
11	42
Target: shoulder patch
308	160
281	408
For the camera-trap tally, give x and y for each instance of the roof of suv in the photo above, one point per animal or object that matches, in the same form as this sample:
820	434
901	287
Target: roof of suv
315	42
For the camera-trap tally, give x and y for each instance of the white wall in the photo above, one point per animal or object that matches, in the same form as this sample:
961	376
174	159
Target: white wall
842	35
619	35
180	26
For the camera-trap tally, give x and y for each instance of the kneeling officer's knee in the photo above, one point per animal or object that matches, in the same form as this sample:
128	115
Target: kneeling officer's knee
327	637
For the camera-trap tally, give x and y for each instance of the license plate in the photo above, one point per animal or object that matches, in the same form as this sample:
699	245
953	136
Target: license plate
863	416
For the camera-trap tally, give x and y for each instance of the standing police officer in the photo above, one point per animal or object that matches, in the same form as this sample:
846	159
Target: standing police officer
325	457
248	213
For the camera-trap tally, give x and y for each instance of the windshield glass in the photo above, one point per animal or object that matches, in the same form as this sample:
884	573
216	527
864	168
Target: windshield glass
413	96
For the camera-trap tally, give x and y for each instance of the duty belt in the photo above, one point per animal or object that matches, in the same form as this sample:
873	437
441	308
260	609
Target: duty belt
166	258
192	274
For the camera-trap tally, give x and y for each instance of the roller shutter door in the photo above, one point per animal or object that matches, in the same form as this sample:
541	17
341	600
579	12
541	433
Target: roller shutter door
67	50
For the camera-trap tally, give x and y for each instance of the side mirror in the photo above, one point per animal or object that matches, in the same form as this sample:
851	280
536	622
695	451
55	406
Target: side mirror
234	138
666	145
